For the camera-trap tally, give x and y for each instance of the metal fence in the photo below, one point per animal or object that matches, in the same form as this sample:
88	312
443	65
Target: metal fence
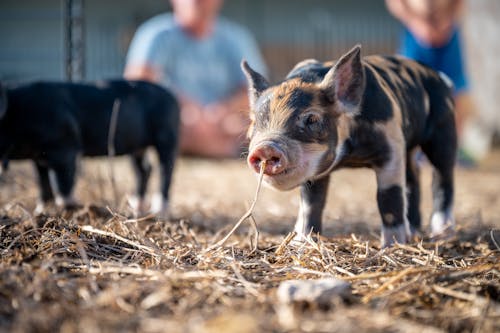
37	42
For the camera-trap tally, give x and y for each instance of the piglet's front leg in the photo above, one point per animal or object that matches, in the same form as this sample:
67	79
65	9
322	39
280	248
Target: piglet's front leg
391	200
312	202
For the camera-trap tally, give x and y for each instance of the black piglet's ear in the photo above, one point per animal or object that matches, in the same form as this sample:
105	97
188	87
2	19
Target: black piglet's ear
345	82
256	83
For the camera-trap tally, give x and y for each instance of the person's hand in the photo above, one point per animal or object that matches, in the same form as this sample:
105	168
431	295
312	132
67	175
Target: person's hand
191	112
214	113
227	120
215	130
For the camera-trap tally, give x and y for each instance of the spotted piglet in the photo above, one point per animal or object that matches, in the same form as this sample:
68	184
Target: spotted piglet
373	112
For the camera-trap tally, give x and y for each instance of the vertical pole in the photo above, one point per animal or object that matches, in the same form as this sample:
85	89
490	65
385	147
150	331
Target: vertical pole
74	40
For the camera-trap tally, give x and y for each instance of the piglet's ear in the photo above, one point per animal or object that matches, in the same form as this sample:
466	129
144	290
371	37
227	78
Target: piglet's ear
345	82
256	83
3	100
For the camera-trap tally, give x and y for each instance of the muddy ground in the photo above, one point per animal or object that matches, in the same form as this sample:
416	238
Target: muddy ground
96	269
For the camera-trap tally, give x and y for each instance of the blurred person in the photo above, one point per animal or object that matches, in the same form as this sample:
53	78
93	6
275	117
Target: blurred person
197	54
432	36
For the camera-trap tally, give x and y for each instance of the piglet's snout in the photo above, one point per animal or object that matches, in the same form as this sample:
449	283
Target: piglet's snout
275	159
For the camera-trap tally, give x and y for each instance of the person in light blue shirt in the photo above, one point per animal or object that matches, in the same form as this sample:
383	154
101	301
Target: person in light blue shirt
197	54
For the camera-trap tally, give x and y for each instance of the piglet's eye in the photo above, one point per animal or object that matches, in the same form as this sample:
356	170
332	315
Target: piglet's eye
312	119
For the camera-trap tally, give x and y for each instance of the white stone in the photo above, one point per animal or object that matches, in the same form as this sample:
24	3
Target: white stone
321	291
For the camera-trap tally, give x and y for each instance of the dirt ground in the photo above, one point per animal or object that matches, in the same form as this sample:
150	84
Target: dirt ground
98	269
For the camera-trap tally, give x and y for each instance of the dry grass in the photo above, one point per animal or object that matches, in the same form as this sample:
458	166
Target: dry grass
94	270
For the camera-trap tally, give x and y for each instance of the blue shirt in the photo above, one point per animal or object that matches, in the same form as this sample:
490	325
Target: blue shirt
447	58
207	70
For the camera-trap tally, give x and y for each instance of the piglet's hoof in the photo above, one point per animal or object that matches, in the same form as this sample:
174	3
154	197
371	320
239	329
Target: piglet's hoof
391	235
68	203
160	207
442	226
137	205
301	239
41	207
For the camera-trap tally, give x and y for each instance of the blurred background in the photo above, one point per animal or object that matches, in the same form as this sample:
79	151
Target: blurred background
88	39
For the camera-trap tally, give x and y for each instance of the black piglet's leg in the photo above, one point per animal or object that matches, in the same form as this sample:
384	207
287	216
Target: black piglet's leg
64	165
142	169
46	192
167	154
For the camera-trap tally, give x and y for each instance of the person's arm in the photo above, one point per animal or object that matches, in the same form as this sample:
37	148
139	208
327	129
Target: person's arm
145	54
234	109
400	10
141	72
